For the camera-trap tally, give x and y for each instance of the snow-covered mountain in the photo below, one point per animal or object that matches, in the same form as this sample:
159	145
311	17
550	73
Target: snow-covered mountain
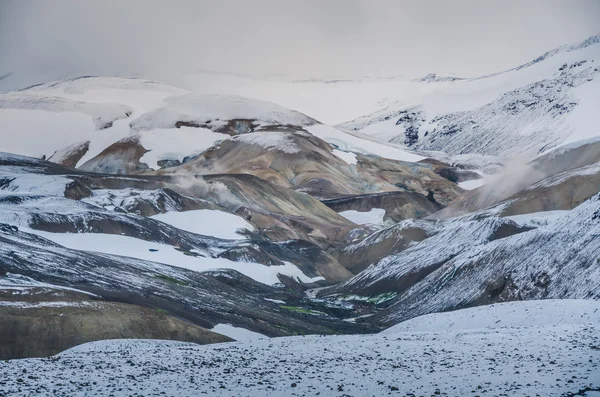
140	210
528	110
168	122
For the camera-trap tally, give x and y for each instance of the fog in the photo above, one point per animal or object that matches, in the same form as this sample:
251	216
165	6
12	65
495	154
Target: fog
309	38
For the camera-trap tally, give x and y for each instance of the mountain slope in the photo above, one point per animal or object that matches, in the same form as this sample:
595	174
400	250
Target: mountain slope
524	111
481	259
169	123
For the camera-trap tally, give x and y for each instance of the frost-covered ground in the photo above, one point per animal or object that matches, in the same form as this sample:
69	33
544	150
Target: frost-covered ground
553	354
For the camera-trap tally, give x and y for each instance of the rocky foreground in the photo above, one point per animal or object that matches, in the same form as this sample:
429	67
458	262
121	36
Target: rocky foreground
537	348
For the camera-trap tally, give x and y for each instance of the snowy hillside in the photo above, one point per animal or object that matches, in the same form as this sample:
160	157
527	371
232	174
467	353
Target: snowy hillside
555	357
84	117
480	259
526	110
446	241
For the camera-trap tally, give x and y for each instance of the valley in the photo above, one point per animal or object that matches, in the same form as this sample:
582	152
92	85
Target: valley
375	254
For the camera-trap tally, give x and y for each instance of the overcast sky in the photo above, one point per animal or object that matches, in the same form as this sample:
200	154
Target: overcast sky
301	38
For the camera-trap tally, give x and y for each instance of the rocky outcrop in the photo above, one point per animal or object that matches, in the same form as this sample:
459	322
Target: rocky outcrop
392	240
305	163
418	178
70	155
122	157
398	206
294	160
453	174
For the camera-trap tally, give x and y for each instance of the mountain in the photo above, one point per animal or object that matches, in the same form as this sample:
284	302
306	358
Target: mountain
467	246
524	111
482	259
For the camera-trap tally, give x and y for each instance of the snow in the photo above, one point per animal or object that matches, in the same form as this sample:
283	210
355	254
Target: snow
21	130
472	184
217	110
542	356
362	144
559	178
237	333
138	94
32	184
525	110
372	217
12	281
585	118
214	223
270	140
275	301
101	113
37	305
330	101
128	199
176	143
537	219
136	248
348	157
535	313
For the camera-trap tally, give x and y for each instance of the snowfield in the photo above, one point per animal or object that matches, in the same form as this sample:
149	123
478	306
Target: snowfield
237	333
372	217
214	223
360	143
216	110
553	354
135	248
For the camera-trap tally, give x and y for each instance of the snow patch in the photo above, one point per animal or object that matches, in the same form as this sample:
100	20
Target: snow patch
348	157
214	223
237	333
372	217
281	141
362	144
166	254
472	184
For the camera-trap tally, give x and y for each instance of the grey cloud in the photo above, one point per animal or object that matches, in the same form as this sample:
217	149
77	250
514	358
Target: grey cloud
300	38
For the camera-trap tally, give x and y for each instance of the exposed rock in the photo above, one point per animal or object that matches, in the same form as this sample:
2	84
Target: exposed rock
168	163
453	174
70	155
122	157
392	240
398	205
409	177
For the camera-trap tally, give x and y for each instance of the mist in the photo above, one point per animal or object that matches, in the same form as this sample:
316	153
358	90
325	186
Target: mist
342	38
